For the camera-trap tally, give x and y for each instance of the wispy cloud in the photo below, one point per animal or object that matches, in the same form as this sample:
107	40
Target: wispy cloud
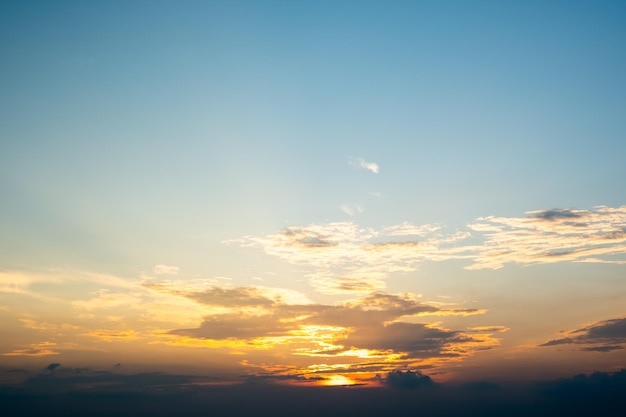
362	163
36	349
346	258
351	209
549	236
166	270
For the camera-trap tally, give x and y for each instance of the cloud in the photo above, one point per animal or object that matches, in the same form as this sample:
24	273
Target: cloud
549	236
166	270
36	349
347	259
407	379
362	163
51	367
343	253
602	336
351	209
372	326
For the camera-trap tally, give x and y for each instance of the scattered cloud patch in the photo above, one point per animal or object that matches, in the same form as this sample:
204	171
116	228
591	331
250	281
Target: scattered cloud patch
362	163
344	258
549	236
351	209
36	349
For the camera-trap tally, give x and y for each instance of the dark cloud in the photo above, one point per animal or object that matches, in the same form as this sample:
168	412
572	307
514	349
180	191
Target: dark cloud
407	379
307	238
266	378
239	296
481	386
557	214
236	326
229	297
602	348
603	336
51	367
413	339
158	394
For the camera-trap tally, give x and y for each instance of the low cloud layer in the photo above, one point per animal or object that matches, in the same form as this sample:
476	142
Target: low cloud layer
386	328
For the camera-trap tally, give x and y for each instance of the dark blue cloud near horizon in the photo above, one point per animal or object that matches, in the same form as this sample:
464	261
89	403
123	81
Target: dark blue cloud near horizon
99	393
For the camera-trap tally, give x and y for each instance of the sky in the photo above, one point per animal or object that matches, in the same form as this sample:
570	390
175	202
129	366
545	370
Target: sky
312	193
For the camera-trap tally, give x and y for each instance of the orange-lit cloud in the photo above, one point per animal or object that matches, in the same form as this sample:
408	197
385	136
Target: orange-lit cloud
368	333
36	349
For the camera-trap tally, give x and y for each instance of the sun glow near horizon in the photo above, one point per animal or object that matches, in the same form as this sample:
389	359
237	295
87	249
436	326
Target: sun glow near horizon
338	380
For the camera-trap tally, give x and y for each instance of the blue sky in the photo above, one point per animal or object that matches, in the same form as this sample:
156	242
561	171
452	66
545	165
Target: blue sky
230	141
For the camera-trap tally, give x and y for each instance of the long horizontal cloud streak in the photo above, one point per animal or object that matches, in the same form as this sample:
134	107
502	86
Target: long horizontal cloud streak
350	259
559	235
347	258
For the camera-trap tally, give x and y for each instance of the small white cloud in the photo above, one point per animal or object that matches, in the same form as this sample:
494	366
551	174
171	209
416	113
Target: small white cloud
166	270
362	163
352	209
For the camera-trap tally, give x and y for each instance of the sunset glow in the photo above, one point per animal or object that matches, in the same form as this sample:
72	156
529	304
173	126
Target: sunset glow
209	200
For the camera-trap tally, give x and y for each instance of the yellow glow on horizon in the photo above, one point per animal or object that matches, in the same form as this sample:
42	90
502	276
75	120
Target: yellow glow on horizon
338	380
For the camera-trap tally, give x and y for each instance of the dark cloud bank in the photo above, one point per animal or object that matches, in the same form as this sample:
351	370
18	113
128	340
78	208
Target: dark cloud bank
87	393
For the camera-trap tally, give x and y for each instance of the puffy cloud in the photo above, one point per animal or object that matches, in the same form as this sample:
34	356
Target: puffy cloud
372	326
407	379
602	336
362	163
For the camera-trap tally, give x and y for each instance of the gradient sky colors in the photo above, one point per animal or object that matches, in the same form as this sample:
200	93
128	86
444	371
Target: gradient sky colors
313	192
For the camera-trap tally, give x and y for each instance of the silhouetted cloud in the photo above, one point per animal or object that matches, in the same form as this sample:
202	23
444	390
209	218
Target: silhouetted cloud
51	367
407	379
399	392
601	336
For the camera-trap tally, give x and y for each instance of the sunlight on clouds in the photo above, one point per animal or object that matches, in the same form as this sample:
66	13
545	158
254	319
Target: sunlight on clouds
548	236
348	259
335	380
107	335
36	349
